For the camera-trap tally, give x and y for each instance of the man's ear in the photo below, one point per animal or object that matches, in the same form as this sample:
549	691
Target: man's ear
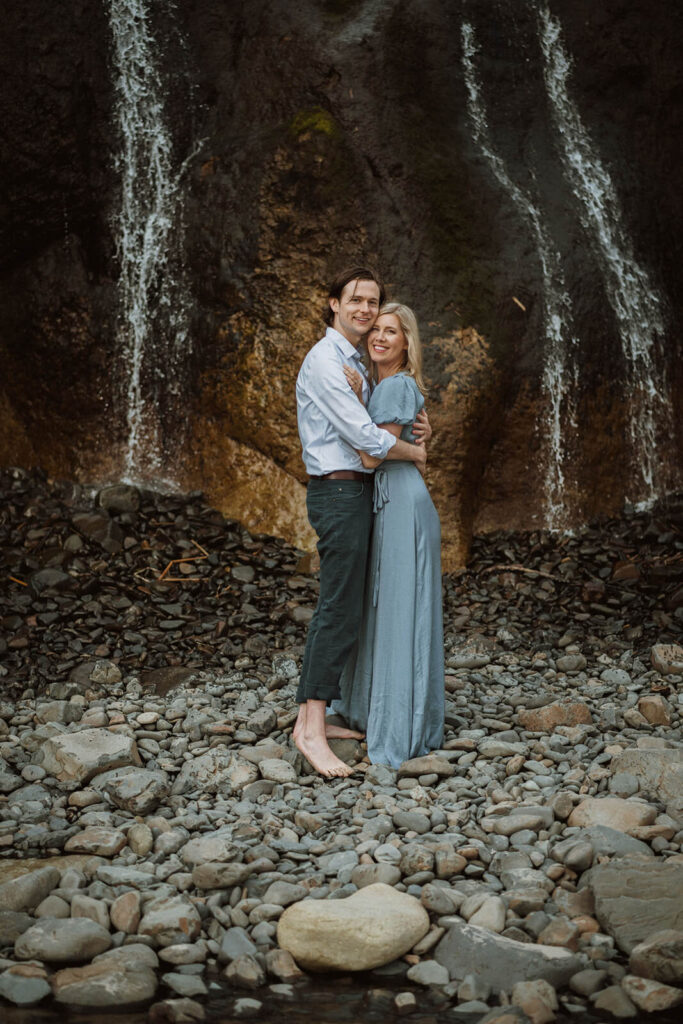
334	305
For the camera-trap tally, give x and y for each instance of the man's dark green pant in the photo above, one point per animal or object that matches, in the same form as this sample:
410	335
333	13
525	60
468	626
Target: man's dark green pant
340	512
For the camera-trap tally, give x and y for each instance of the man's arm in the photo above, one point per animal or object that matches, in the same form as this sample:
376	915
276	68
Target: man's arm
327	387
402	451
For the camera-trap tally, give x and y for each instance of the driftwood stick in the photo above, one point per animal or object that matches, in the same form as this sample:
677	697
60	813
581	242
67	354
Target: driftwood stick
523	568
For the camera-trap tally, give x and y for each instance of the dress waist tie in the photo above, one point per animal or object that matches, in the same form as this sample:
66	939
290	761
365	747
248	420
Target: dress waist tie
380	499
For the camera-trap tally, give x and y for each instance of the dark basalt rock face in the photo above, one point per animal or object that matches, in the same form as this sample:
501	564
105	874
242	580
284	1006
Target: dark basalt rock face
319	133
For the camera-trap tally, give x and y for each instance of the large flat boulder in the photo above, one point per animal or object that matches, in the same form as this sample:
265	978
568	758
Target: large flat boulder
370	928
635	897
500	962
79	756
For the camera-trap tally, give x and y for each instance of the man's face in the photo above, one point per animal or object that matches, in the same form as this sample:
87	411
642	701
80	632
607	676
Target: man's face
356	311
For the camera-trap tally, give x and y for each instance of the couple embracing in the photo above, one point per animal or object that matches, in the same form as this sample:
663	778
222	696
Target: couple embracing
374	651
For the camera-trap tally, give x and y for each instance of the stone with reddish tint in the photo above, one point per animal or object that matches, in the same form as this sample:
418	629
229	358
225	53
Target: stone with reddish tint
660	957
448	863
651	996
170	920
655	709
125	912
537	999
561	932
563	712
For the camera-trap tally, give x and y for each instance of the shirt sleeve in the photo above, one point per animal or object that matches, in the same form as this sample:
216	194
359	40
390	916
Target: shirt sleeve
395	400
329	390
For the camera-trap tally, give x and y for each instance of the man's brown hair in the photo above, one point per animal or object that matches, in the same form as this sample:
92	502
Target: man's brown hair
340	282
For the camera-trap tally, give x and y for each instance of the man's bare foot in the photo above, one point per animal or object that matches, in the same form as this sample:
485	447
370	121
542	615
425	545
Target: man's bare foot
316	750
338	732
309	735
300	724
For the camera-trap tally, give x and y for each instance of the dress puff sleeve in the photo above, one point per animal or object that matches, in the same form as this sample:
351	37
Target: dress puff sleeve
396	399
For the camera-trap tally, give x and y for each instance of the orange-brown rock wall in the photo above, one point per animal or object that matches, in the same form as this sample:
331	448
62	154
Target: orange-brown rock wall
317	134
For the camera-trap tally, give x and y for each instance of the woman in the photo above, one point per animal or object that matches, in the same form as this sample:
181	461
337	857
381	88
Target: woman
393	685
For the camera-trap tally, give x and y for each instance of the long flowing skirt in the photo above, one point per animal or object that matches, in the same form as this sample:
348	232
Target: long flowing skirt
393	684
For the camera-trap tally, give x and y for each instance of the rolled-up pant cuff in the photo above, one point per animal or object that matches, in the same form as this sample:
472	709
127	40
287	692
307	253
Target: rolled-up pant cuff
326	693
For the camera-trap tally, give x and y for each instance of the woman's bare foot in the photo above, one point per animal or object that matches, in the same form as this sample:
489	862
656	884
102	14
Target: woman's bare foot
338	732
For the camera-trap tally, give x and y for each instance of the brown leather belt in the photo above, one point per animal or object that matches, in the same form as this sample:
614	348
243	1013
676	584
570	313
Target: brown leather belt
342	474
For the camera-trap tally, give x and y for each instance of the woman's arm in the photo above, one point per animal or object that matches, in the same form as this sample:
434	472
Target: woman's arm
422	428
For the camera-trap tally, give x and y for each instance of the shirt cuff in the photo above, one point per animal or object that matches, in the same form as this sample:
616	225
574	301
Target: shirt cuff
391	442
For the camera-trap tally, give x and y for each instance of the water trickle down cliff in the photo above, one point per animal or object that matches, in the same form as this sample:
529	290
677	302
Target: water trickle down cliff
636	303
559	377
154	304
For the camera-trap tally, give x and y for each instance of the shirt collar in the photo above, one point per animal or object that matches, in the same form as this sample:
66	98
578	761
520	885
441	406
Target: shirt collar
342	343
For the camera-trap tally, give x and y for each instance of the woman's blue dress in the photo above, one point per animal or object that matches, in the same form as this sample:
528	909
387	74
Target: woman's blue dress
393	684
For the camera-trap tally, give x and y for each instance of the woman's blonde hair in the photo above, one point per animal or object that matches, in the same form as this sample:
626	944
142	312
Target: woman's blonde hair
408	322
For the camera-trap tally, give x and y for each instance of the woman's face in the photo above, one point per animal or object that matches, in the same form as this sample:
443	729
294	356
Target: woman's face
387	344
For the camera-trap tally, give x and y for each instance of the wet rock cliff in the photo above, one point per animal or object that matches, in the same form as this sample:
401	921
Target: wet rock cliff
427	137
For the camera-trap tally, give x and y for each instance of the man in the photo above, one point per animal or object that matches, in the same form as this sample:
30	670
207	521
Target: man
333	427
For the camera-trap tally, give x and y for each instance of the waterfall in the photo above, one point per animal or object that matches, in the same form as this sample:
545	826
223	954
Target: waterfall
634	300
153	303
559	378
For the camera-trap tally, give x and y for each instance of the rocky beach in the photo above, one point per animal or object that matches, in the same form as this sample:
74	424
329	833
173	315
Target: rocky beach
163	844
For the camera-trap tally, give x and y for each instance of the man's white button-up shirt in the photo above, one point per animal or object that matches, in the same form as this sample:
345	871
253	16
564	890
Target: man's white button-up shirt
333	424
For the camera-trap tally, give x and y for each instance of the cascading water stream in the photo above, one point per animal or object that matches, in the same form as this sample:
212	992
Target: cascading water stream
558	378
153	334
636	304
